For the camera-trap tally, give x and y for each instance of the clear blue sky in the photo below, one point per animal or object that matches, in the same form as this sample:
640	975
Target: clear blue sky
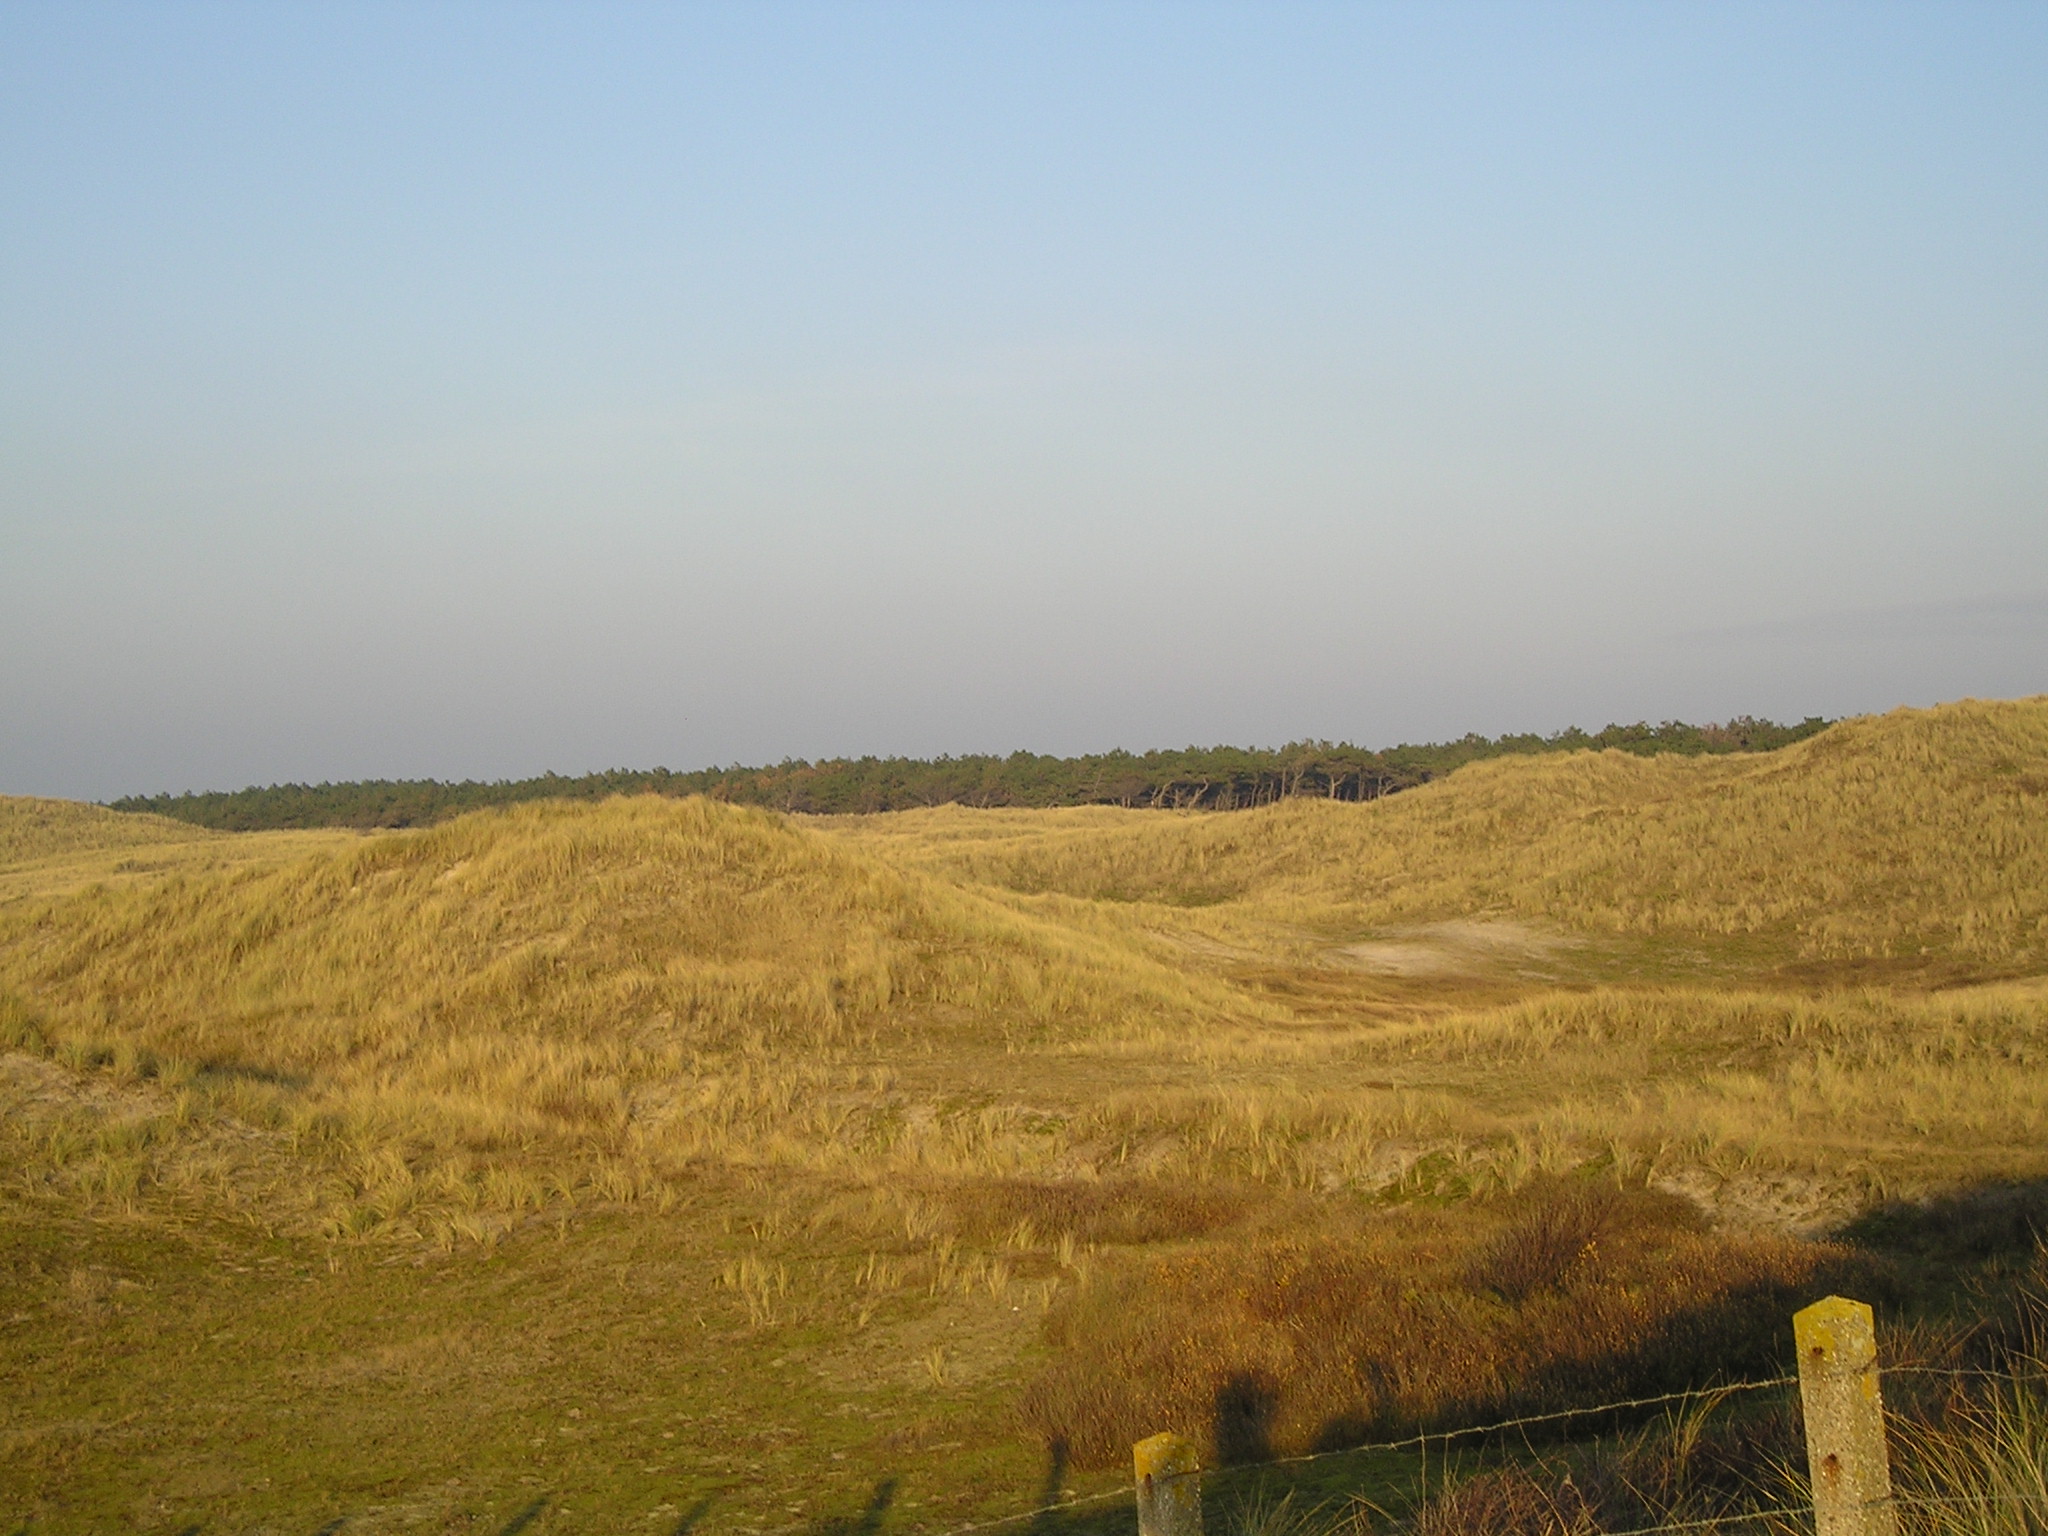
473	390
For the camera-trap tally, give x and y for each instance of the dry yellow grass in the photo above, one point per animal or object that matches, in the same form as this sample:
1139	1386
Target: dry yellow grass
32	830
705	926
484	1015
1918	831
452	1019
50	847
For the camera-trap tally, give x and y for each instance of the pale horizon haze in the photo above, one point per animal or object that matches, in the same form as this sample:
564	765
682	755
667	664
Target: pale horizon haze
470	391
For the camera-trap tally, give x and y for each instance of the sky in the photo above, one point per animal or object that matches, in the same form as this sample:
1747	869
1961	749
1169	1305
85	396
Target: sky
475	390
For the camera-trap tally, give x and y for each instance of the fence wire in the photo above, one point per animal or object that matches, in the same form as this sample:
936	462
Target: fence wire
1422	1439
1979	1372
1418	1441
1799	1513
1712	1522
1803	1514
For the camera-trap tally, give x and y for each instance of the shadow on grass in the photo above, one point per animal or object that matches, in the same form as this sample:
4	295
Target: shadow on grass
1047	1521
1956	1232
868	1522
1959	1281
1244	1419
1973	1257
1968	1272
221	1070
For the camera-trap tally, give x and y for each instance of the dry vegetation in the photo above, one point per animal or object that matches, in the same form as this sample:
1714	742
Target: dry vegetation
1895	838
1008	1128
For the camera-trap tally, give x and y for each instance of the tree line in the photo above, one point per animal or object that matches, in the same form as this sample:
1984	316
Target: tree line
1193	778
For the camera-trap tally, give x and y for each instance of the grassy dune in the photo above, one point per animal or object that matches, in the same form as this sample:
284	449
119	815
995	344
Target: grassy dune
653	1152
48	847
1913	836
462	1020
33	830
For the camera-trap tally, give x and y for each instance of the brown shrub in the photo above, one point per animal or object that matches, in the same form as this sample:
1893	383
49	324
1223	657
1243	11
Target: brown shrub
1559	1225
1318	1341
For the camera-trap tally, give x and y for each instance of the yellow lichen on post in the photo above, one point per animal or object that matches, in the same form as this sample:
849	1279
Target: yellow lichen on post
1844	1412
1169	1478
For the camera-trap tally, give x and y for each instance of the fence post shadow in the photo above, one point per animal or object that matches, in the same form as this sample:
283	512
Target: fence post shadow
868	1522
1244	1420
692	1515
1047	1520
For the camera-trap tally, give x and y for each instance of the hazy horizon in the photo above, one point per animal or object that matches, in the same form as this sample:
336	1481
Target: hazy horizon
470	392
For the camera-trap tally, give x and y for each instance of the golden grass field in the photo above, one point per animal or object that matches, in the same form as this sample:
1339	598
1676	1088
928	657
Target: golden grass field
664	1164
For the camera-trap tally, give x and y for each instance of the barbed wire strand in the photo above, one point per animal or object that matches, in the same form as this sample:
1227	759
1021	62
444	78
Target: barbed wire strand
1420	1441
1803	1511
1412	1442
1714	1520
2038	1374
1416	1441
1964	1498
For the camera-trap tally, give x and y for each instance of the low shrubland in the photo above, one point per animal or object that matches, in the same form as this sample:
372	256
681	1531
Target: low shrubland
1561	1293
1966	1408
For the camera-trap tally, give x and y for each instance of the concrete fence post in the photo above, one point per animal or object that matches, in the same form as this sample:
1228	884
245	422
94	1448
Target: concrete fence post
1169	1478
1844	1412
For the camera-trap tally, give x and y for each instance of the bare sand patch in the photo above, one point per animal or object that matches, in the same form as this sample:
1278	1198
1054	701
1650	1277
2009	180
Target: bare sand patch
1465	946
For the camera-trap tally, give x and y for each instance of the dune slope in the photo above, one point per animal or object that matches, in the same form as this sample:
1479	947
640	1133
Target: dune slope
1883	836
